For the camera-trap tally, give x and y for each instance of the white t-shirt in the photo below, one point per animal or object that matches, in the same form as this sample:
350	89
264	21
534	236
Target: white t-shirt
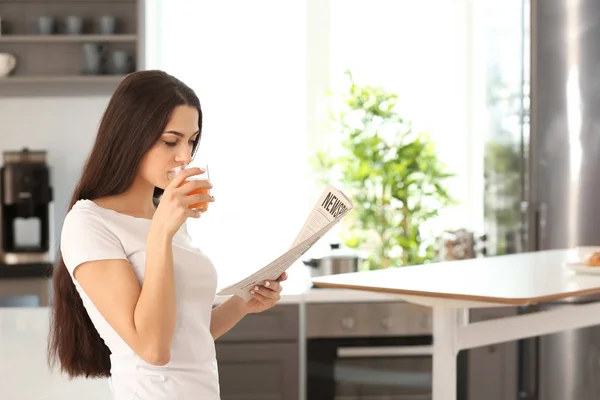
91	232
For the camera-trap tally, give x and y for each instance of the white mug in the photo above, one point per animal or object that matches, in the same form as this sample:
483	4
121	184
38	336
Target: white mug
7	63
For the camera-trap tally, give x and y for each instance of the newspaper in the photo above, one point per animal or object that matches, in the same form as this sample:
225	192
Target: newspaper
332	206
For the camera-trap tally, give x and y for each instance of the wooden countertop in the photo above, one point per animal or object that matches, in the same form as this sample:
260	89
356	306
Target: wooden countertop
517	279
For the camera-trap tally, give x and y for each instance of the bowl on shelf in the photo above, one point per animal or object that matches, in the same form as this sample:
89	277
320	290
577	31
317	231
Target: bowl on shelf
8	62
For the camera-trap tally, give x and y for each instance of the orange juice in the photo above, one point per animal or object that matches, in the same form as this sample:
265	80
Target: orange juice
202	206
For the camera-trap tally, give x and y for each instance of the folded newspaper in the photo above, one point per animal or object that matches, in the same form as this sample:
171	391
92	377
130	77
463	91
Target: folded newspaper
333	205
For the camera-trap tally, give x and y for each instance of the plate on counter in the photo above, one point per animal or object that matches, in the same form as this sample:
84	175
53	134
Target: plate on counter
582	268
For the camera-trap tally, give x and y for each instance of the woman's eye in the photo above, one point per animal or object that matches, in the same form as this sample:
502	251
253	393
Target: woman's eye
171	144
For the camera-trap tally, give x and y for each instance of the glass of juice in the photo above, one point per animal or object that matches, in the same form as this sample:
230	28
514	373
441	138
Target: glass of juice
202	206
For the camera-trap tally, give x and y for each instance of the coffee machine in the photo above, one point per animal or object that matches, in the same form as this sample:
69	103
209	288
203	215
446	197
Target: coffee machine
25	215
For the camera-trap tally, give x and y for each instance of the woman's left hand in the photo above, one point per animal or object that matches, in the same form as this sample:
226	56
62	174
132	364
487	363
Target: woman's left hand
266	295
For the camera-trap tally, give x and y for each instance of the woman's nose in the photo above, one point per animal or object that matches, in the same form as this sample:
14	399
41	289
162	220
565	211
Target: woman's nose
185	155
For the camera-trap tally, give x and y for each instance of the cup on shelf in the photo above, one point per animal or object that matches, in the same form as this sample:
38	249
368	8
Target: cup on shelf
93	59
107	24
45	25
122	62
5	27
74	25
8	62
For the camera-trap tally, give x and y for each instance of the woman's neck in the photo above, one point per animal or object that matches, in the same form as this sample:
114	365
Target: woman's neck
136	201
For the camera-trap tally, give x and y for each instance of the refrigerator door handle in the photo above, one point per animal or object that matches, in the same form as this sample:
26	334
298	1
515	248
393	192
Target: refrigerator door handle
536	215
541	218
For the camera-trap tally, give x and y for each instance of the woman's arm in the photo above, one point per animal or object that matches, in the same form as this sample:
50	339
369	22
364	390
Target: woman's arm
156	311
227	315
143	316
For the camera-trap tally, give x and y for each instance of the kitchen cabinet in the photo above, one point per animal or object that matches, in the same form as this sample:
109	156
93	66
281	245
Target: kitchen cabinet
258	371
259	359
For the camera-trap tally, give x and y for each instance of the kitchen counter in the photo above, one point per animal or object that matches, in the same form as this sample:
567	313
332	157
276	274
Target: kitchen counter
297	289
11	289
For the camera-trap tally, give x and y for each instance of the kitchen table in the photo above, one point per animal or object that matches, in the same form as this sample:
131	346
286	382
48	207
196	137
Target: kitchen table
452	288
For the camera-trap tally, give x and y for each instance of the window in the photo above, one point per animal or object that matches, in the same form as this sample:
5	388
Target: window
417	49
246	61
501	65
461	70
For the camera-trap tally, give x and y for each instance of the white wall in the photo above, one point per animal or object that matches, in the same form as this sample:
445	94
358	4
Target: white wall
64	127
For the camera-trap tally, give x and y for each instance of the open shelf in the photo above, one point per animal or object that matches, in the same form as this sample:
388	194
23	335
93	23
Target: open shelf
66	38
54	64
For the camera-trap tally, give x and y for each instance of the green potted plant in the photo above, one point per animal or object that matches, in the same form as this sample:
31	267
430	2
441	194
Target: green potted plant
393	174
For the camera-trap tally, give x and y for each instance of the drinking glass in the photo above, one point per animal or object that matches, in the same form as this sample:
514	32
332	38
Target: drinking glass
201	206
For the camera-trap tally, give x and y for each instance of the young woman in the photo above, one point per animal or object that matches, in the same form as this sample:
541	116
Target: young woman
132	297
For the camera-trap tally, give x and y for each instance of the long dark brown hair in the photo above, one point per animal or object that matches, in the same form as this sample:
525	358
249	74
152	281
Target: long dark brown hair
133	122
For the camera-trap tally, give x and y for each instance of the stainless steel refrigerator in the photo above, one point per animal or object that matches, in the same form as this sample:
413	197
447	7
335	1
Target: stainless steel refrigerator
558	179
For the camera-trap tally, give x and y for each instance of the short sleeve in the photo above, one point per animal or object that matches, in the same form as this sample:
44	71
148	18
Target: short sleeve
86	237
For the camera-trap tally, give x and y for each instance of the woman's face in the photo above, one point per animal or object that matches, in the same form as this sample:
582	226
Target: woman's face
173	149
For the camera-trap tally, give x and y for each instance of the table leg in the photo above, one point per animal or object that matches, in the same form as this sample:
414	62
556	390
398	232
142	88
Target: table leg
446	322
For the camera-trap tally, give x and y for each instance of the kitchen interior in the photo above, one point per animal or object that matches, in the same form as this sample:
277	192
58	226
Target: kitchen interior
505	86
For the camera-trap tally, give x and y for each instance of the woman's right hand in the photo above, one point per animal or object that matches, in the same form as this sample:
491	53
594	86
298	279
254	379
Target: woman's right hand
173	209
